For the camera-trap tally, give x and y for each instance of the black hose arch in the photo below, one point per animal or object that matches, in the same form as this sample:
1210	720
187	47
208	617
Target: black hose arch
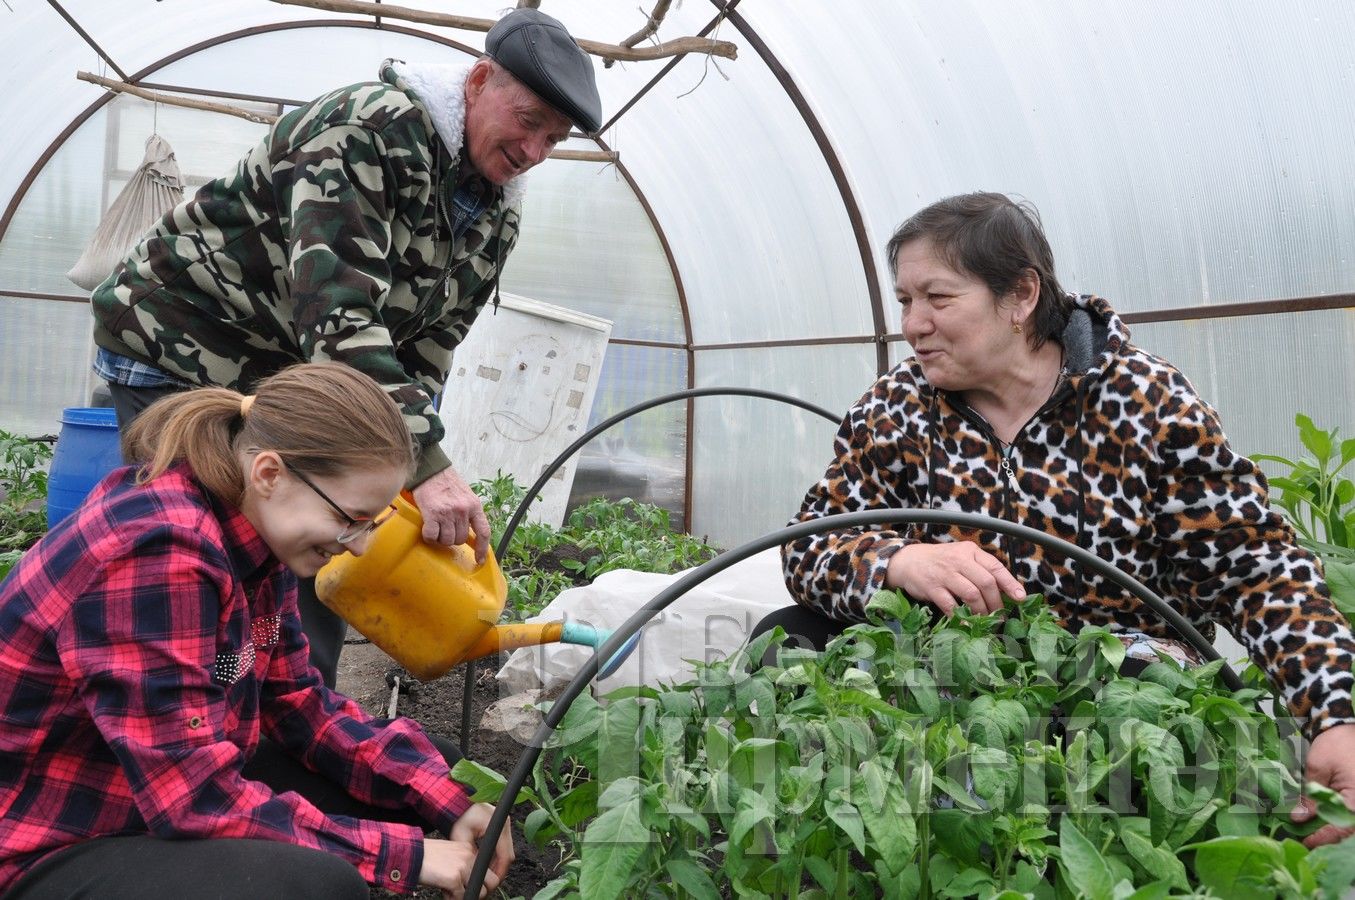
468	689
664	598
602	426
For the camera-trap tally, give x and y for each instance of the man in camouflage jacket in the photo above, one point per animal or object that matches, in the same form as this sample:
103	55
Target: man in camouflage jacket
369	226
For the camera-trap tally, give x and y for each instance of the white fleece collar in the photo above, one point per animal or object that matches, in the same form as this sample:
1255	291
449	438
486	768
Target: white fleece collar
441	90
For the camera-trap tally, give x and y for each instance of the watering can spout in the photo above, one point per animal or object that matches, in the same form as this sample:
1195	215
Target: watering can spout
511	637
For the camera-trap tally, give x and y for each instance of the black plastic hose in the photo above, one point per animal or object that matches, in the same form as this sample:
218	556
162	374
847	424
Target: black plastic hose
664	598
468	687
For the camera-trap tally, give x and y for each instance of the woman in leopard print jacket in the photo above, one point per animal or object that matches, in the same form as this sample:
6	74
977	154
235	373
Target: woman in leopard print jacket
1031	405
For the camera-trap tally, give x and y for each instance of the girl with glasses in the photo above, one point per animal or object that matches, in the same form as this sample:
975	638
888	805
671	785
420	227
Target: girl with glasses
162	733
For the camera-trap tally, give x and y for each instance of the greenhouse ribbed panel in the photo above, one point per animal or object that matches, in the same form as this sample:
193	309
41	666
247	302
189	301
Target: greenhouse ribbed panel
1258	372
754	458
45	353
747	276
586	241
1193	163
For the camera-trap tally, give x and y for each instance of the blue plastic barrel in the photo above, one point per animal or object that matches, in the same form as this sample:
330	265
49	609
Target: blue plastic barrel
86	451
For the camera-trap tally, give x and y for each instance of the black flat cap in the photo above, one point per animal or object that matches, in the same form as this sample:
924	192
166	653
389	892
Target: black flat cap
540	53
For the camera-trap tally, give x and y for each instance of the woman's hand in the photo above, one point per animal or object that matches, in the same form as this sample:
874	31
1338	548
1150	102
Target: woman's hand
447	864
1331	763
948	574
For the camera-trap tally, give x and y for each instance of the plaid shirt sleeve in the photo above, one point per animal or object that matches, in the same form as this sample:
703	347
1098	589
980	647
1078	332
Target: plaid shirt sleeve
136	640
387	763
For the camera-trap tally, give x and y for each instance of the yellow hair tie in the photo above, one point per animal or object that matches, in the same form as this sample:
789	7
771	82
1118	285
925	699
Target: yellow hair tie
245	404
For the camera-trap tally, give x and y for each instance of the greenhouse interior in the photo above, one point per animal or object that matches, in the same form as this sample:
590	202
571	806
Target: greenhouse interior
711	324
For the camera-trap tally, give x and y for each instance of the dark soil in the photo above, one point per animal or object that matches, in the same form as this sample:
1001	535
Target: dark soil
555	559
436	706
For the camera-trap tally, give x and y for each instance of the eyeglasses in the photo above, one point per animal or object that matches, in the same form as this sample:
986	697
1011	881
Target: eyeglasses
358	526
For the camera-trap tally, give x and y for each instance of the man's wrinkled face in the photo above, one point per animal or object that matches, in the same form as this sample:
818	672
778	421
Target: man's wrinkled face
509	129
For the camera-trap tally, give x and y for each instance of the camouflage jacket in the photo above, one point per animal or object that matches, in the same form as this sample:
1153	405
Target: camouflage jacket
329	241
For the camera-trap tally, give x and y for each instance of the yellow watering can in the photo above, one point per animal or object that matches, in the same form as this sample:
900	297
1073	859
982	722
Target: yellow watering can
430	607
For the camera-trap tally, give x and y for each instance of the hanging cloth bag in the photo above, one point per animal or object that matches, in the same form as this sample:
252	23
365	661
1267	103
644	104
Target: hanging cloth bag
154	189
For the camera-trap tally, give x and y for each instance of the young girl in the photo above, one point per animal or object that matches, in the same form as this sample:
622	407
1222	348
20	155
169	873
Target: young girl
151	641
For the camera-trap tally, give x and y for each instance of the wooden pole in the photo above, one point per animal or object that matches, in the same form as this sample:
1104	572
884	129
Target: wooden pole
600	156
125	88
675	47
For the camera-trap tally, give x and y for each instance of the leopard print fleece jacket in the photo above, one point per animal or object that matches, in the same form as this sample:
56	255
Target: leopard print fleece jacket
1125	460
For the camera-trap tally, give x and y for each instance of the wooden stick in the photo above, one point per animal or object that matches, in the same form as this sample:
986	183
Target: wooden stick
602	156
651	26
655	19
125	88
675	47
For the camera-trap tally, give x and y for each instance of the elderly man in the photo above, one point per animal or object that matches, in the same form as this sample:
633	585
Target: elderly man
369	227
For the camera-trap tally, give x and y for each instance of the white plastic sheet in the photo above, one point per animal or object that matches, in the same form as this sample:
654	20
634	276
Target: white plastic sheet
707	624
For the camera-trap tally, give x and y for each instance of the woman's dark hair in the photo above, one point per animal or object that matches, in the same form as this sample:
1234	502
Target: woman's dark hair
321	418
997	240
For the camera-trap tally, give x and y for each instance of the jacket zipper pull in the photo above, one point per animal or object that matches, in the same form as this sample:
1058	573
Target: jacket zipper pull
1007	464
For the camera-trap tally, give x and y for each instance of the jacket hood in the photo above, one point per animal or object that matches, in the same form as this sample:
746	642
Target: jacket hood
439	90
1093	337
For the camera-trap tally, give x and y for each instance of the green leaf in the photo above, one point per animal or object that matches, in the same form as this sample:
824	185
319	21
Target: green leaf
1330	807
1315	439
579	803
846	816
922	688
1082	864
1300	870
1108	646
1335	867
957	792
959	835
538	828
1182	831
967	883
997	722
1238	821
693	879
1341	582
1160	863
823	872
1045	640
886	606
997	775
753	810
1238	868
487	785
1158	890
612	846
881	802
1027	877
1127	698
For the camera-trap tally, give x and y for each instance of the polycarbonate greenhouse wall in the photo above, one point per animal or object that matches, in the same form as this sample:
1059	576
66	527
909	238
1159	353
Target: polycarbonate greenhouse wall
1193	162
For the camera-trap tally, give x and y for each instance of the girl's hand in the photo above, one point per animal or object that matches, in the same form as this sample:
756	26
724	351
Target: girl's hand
447	864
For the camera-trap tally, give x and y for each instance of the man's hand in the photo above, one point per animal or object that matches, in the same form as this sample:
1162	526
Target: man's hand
948	574
451	513
1331	763
447	864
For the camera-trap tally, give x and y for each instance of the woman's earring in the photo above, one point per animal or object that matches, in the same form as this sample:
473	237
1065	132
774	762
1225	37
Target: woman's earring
1016	328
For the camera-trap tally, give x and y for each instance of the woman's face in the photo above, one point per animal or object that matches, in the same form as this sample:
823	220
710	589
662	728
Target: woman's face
960	334
295	521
